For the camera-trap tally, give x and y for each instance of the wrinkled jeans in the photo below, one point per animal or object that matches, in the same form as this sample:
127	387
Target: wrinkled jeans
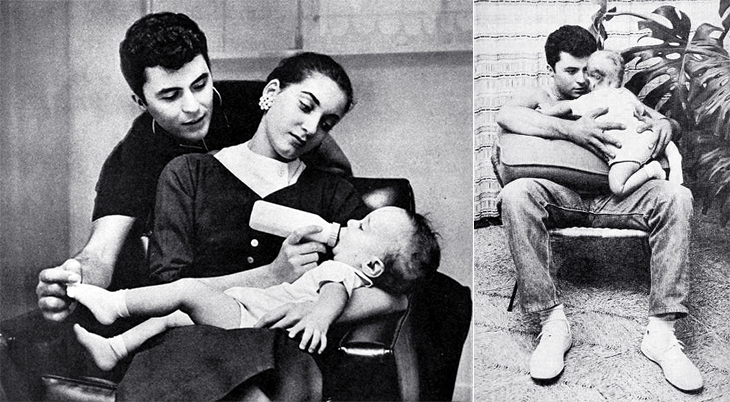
530	207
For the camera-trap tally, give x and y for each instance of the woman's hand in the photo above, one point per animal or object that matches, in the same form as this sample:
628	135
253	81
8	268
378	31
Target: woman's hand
297	257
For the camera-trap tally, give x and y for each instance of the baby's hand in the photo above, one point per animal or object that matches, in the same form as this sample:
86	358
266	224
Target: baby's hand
314	332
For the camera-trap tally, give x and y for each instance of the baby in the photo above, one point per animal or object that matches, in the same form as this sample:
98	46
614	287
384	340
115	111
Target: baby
632	165
391	249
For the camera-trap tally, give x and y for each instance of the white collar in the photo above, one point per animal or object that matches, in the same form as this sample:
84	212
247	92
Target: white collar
262	174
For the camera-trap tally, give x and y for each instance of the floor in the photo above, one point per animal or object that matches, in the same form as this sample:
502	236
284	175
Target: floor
606	298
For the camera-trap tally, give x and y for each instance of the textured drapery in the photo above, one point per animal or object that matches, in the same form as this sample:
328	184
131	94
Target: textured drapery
508	54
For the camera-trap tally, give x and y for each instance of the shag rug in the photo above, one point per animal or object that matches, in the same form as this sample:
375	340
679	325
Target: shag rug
604	285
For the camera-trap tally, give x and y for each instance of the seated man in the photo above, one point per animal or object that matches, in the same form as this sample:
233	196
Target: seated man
530	207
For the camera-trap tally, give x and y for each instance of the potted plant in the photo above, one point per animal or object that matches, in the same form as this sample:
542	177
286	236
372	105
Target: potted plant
688	79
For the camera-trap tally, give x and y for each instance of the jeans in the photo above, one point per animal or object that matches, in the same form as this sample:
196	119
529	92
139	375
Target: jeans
530	207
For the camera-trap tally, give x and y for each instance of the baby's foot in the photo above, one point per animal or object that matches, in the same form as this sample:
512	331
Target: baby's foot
102	303
655	171
99	347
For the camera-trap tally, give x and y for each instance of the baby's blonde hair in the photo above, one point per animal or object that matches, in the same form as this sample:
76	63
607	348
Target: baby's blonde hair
607	74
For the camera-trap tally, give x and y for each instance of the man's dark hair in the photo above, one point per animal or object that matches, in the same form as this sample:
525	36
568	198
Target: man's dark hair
405	267
297	68
166	39
571	39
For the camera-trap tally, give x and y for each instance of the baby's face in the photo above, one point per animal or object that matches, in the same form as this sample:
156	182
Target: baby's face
381	230
602	73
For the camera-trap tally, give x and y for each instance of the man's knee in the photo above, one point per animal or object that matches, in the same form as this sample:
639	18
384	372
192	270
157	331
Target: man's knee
517	195
678	199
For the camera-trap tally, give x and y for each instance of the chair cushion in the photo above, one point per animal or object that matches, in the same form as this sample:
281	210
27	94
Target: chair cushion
519	156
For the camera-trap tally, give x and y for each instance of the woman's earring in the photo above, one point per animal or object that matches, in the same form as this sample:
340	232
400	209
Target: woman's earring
265	102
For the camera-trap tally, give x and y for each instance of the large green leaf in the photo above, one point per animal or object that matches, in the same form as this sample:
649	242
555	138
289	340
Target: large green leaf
709	67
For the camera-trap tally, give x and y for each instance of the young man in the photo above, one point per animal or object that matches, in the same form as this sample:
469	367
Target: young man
164	58
171	82
532	206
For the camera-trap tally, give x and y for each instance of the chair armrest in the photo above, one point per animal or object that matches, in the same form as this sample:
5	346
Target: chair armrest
374	360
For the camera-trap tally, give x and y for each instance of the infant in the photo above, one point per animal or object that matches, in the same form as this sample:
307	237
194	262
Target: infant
632	165
391	249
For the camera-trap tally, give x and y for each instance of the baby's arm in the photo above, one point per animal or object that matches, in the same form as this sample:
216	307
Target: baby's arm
556	109
332	301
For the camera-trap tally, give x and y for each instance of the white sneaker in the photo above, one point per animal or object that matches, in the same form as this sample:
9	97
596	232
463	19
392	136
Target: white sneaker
546	361
665	350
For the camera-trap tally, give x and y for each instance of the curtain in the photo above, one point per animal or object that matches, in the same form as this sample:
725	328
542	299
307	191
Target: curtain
509	36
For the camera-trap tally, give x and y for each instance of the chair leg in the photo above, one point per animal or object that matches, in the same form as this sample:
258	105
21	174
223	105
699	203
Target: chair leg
512	299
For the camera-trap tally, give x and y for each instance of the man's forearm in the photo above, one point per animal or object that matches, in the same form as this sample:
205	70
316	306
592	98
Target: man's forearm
95	271
526	121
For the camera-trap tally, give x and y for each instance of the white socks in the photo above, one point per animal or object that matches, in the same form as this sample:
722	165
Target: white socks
660	325
105	305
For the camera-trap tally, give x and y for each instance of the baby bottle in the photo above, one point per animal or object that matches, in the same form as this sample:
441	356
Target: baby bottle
281	221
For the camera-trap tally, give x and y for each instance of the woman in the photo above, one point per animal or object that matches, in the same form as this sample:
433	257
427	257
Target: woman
201	229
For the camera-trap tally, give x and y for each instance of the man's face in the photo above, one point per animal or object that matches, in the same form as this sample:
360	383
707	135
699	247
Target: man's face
570	76
181	101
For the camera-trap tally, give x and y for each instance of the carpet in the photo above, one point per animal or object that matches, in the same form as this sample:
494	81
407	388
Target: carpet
606	298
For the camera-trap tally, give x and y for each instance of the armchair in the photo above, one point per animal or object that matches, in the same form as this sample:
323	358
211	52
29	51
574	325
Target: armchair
413	355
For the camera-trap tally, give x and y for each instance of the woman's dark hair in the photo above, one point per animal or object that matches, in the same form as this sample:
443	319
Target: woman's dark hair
406	267
164	39
571	39
298	68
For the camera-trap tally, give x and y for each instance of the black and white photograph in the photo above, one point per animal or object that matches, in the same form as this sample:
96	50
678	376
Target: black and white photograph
236	200
601	202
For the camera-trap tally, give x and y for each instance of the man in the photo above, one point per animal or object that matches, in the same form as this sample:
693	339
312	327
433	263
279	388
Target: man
164	58
532	206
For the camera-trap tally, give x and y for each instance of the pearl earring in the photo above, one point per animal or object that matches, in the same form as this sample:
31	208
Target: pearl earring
266	101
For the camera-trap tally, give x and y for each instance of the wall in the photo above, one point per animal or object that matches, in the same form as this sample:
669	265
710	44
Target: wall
413	120
33	147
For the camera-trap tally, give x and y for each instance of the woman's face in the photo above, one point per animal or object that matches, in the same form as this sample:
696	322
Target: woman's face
299	118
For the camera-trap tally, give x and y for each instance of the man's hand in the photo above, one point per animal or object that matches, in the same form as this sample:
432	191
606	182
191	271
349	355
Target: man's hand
591	134
51	290
663	129
285	316
297	257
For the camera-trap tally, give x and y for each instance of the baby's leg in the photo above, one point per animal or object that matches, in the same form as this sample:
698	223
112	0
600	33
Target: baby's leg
204	305
625	177
107	352
675	163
